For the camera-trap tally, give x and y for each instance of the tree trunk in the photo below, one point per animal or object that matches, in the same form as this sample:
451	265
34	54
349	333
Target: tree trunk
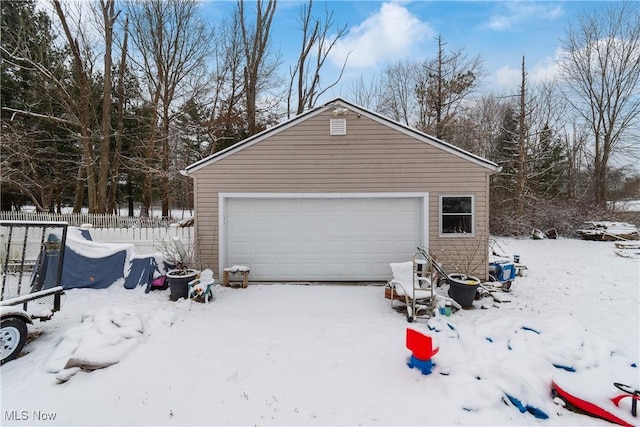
115	166
255	42
108	17
600	171
81	108
439	92
166	189
521	173
79	193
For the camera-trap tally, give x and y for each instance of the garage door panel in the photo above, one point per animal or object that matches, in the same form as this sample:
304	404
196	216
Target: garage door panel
406	250
335	269
357	227
259	207
311	206
288	228
382	270
335	248
262	248
359	268
358	206
358	248
240	247
311	269
266	269
332	224
382	248
287	207
309	248
316	239
333	206
306	223
259	225
285	268
286	248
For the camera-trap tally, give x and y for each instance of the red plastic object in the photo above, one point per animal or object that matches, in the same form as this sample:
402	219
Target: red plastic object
421	345
590	408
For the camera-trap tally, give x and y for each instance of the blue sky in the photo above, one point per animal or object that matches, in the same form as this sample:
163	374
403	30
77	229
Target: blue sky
380	32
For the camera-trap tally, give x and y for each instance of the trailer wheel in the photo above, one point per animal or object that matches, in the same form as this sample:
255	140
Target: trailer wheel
13	336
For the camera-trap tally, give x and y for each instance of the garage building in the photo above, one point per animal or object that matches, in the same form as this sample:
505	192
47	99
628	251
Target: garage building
335	195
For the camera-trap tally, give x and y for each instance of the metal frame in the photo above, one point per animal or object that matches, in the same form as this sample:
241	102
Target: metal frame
37	276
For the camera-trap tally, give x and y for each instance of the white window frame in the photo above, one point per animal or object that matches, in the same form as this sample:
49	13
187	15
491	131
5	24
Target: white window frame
473	215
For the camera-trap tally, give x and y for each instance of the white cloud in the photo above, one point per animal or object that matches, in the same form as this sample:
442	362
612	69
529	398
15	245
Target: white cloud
518	12
499	22
545	70
391	33
507	77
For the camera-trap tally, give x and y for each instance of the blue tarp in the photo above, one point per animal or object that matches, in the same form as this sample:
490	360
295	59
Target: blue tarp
141	273
82	271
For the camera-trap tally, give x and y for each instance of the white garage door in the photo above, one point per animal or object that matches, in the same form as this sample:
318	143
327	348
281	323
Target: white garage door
321	239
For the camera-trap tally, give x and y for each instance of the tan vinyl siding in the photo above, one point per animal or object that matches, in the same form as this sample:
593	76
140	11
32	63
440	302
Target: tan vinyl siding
371	157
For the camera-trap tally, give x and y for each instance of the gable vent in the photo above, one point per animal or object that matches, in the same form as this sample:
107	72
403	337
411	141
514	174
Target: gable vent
338	126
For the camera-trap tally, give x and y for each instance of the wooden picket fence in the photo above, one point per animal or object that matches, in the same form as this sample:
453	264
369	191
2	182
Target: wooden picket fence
97	220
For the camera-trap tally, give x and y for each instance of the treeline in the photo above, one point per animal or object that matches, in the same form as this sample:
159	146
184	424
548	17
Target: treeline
566	146
107	101
104	105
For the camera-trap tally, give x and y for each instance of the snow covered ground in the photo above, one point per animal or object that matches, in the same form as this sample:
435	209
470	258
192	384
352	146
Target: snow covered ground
333	355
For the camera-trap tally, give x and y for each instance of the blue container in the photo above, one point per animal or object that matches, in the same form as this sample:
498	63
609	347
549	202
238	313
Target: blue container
424	366
502	271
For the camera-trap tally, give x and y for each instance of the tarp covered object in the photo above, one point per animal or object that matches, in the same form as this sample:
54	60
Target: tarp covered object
98	265
140	273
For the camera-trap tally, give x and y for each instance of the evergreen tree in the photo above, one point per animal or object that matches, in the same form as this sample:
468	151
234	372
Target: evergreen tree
548	171
38	156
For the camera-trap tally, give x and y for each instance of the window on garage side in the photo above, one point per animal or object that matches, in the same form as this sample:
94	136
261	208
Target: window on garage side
457	214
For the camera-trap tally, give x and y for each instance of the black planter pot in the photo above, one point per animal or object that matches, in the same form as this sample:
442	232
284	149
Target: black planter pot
179	283
463	288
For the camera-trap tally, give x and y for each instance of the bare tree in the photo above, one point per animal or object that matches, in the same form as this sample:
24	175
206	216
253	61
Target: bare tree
115	164
398	91
169	37
483	124
365	94
79	94
305	75
574	139
442	86
256	43
600	68
226	124
109	17
79	105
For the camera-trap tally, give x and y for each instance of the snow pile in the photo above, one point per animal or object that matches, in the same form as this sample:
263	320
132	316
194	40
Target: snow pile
515	357
88	248
237	269
103	338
